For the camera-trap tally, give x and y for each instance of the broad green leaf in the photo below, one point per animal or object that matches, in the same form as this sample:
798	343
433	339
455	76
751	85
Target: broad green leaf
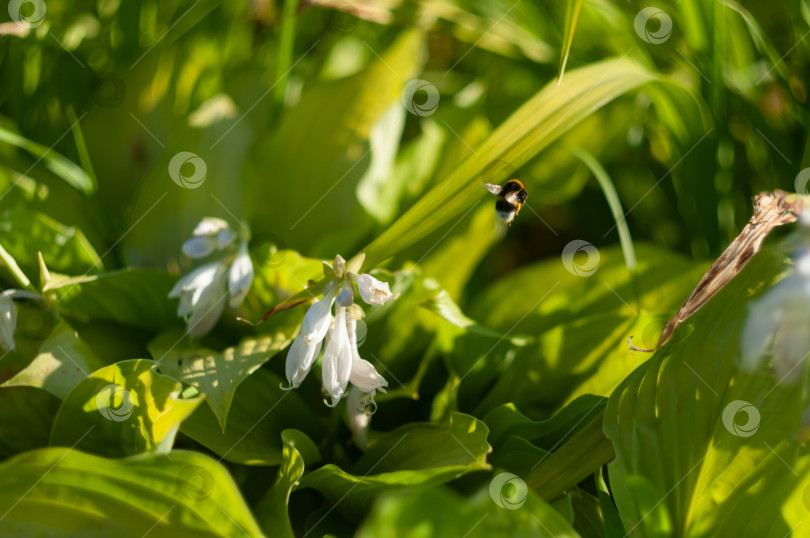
182	494
62	362
413	454
436	512
580	456
443	306
24	232
260	411
217	374
581	324
26	415
123	409
671	427
506	420
535	125
62	167
136	297
298	451
323	142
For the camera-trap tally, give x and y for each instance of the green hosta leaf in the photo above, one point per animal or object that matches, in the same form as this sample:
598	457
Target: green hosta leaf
298	451
260	411
62	362
217	374
26	415
442	512
122	409
136	297
669	424
185	494
443	306
24	232
535	125
580	323
414	454
506	420
62	167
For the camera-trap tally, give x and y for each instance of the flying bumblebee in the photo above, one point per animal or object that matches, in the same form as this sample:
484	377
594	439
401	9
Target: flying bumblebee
511	199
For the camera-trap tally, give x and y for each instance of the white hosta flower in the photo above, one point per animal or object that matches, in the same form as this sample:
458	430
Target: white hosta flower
373	291
202	292
300	359
8	321
341	359
359	417
202	297
240	276
210	234
778	324
337	359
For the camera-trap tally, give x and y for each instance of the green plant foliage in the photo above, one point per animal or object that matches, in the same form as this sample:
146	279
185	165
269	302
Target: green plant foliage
161	495
123	409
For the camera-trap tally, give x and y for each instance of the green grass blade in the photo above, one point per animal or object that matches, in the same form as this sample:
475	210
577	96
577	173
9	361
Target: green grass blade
61	166
553	111
571	17
81	145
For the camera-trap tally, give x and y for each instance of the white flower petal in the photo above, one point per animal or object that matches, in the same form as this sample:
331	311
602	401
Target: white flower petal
757	333
345	298
199	247
300	359
359	419
210	226
317	319
365	377
240	276
337	359
8	322
225	238
792	340
373	291
207	309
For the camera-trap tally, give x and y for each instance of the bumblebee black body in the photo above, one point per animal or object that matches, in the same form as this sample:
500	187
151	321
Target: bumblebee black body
511	198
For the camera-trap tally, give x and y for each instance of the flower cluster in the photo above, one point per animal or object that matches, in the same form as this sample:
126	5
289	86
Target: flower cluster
202	292
778	323
342	363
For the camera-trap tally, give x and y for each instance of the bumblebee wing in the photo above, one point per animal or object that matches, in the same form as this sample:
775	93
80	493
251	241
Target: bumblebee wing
494	189
514	197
